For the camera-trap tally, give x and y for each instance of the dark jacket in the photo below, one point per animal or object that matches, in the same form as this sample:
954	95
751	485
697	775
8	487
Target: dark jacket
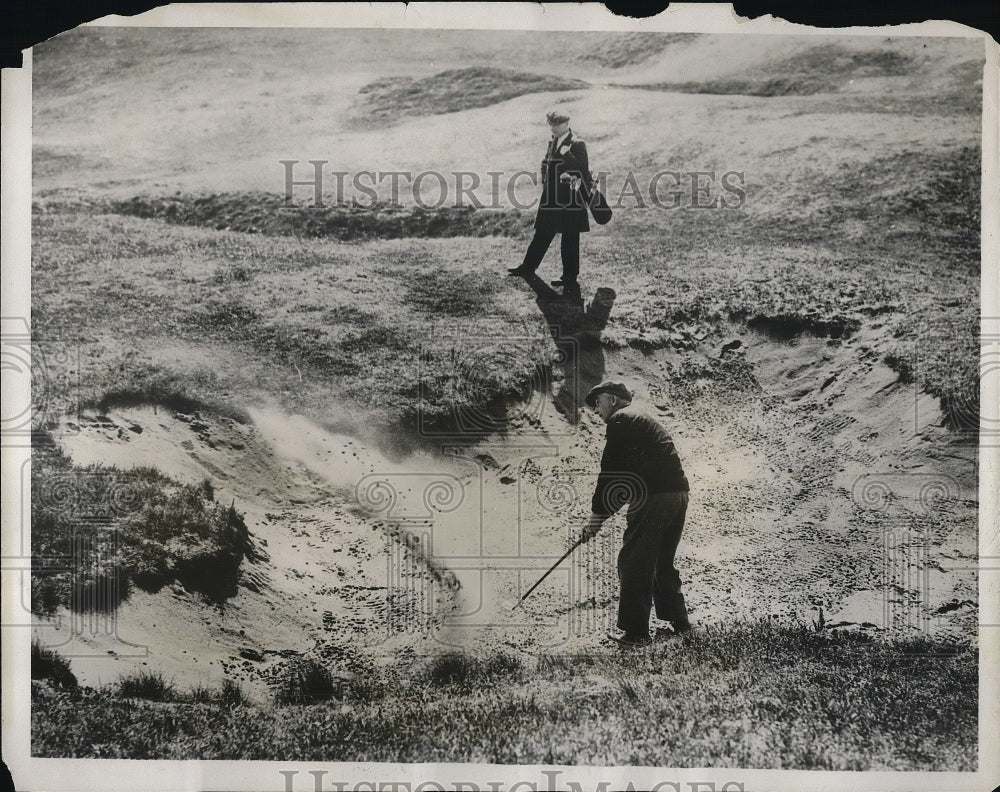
639	459
561	207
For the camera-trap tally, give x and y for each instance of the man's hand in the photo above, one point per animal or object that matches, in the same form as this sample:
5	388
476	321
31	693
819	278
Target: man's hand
591	527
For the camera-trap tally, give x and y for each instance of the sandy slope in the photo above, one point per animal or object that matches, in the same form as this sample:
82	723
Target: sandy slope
789	516
323	577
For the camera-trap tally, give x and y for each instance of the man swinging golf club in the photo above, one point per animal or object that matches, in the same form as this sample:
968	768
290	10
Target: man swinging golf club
640	466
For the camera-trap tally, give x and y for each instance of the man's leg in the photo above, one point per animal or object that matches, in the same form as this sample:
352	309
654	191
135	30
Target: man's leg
536	250
570	249
666	581
637	563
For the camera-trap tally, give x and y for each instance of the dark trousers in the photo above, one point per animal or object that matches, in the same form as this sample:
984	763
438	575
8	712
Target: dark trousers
646	562
569	247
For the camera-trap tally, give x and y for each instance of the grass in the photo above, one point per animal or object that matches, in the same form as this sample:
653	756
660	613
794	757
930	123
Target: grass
306	681
822	69
388	98
631	49
321	322
455	294
315	322
835	60
132	527
149	685
467	671
776	86
269	213
755	695
49	665
399	314
230	693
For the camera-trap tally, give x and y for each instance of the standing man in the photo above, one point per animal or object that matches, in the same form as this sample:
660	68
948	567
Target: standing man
640	466
562	209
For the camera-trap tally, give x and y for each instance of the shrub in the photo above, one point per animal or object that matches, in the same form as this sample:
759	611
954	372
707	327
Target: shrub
505	664
232	693
203	694
146	684
458	668
306	681
49	665
155	531
455	668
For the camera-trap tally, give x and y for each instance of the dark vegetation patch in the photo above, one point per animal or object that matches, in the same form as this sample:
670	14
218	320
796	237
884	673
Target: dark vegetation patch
449	91
51	160
306	680
629	49
468	671
443	292
231	314
775	86
822	69
902	365
229	693
49	665
146	684
472	391
787	326
233	273
131	381
327	351
269	213
126	528
759	695
833	60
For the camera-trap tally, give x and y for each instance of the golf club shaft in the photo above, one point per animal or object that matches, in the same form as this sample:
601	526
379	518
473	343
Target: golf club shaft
549	572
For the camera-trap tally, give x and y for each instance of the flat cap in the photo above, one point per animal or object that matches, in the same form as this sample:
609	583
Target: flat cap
614	387
557	117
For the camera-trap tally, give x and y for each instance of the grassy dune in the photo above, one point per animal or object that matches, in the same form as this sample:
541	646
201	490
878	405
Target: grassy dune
386	318
449	91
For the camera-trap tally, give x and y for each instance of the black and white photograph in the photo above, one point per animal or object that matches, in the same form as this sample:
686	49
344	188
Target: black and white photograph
498	398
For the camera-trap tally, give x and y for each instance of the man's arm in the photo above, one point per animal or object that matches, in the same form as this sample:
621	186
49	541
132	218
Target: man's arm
614	464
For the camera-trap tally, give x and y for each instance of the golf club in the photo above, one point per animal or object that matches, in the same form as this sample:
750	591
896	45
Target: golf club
564	556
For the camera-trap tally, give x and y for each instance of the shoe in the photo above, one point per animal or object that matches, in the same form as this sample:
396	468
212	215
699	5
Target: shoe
569	284
520	272
631	640
681	626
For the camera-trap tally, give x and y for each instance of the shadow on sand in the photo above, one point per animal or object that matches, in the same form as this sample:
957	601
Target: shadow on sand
576	330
